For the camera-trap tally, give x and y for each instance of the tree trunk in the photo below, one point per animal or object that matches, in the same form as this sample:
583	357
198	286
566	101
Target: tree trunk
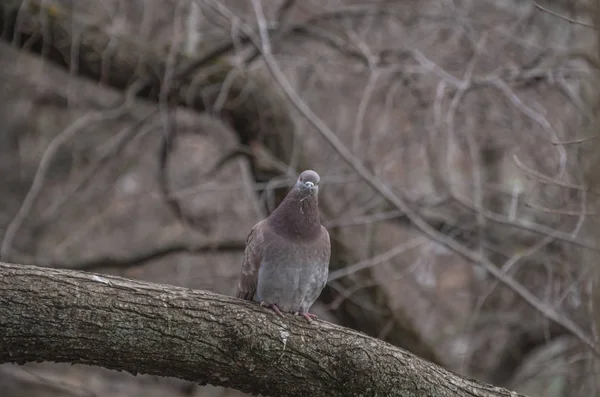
139	327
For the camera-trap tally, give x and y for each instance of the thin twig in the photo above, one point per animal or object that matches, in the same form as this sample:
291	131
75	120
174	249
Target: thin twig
283	11
375	260
560	211
547	179
576	141
136	259
362	110
556	14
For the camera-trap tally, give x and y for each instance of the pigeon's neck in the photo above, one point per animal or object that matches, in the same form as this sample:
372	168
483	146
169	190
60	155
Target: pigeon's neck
297	217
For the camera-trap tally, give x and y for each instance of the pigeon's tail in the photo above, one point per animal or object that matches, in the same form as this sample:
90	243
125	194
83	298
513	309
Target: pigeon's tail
247	295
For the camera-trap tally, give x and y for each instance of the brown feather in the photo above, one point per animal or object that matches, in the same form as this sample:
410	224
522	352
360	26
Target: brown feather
251	262
297	217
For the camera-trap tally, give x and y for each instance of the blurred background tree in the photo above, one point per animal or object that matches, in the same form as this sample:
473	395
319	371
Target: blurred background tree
144	138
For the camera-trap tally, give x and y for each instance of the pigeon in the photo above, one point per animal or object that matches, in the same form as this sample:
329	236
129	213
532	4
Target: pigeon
286	260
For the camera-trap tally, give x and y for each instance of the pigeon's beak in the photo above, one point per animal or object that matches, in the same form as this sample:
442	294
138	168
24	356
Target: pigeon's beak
310	187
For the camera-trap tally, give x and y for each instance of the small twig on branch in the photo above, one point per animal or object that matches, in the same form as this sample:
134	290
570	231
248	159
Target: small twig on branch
576	141
557	211
283	10
547	179
556	14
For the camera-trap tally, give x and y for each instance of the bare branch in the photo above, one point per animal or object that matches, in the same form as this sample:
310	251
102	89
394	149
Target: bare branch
284	9
386	256
576	141
140	259
556	14
548	180
561	211
144	328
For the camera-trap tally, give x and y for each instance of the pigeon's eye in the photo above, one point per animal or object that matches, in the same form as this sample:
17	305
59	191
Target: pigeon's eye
300	179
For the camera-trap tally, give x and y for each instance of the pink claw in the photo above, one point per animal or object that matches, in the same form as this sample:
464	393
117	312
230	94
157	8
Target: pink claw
272	306
308	316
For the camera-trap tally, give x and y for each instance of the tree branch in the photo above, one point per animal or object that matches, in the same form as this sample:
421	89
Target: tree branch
138	259
139	327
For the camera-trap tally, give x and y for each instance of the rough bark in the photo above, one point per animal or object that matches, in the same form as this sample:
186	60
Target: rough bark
139	327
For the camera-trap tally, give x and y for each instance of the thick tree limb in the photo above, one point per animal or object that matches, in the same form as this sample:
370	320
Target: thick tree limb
139	327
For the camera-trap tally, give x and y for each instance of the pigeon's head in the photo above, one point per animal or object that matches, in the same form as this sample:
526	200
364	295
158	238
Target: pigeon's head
308	183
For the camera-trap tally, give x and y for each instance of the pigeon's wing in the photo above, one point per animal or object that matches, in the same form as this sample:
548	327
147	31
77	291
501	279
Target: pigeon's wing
324	256
251	263
321	251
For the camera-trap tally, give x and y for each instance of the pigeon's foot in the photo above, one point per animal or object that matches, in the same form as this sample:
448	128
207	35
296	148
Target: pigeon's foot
308	316
272	306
